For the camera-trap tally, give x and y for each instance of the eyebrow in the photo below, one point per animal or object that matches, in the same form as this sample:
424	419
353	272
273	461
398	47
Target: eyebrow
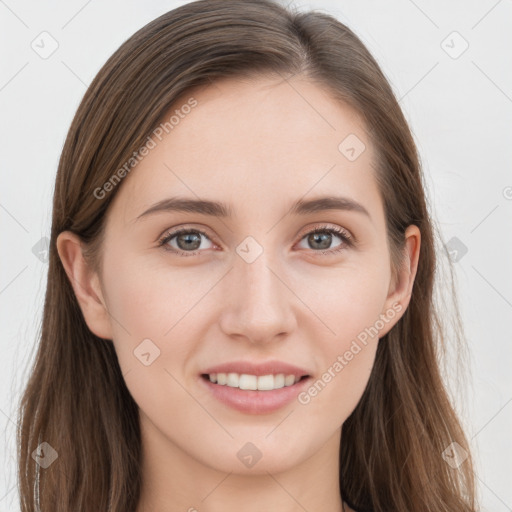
218	209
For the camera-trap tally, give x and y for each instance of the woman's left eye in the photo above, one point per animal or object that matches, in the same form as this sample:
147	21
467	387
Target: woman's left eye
189	240
322	237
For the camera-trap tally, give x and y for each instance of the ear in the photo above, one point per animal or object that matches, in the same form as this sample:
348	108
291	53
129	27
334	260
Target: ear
85	283
399	294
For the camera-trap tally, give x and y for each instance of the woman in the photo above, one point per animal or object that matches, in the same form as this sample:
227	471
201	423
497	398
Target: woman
239	311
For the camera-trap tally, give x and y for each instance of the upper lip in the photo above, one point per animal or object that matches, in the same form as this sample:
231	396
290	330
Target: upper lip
258	369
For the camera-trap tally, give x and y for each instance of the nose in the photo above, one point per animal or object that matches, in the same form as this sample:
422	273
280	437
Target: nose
260	307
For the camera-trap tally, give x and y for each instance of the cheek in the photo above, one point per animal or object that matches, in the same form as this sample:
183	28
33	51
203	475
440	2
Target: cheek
346	300
147	302
149	298
335	393
152	313
351	308
346	364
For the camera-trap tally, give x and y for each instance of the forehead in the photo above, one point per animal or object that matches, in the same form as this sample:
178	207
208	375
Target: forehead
255	144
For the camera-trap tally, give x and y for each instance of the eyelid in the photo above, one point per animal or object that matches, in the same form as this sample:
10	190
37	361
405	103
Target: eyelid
325	226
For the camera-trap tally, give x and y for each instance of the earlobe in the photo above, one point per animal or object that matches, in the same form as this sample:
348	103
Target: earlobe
400	292
85	284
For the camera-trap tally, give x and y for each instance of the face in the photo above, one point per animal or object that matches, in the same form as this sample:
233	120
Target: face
254	285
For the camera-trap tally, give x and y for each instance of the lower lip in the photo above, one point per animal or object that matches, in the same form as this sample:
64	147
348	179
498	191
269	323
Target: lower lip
255	402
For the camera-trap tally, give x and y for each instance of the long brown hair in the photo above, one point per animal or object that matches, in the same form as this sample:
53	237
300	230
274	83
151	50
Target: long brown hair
76	400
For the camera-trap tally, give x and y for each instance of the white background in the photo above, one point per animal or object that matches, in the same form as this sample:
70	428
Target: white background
459	110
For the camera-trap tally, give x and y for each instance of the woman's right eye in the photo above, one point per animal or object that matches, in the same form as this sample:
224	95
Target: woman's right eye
187	240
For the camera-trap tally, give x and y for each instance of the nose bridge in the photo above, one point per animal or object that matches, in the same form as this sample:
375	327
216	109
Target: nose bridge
259	282
259	306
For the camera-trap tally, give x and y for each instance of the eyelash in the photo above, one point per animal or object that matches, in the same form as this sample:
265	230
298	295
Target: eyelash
341	233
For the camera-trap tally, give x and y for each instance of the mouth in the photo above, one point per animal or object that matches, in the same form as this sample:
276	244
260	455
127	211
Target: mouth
249	382
254	394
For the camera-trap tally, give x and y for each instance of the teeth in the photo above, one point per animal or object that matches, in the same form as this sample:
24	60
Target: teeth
253	382
289	380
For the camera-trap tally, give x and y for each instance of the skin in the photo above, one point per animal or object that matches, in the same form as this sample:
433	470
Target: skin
258	145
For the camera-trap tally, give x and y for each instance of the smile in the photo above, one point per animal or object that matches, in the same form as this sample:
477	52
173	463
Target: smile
253	382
